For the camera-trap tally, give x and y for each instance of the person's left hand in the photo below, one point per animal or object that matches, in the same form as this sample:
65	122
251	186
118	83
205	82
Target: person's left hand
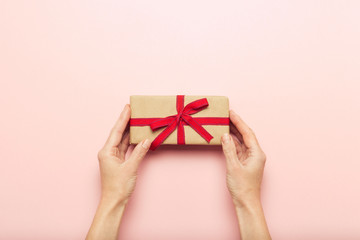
118	175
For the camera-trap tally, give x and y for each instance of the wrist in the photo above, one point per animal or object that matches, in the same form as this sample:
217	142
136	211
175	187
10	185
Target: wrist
247	200
112	202
248	209
114	198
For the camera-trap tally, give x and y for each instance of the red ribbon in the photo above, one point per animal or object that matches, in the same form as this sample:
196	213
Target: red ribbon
179	120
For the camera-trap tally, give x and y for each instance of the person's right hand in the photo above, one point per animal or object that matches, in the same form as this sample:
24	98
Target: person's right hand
245	162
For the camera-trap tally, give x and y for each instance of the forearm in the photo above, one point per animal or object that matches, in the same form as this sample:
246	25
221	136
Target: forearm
252	221
107	220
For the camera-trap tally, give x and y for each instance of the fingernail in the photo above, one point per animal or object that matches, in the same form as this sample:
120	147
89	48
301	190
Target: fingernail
146	144
226	138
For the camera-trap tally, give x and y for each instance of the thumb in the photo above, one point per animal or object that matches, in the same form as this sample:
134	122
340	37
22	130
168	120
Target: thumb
229	150
138	154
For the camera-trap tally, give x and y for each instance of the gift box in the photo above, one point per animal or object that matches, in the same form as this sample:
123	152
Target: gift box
178	120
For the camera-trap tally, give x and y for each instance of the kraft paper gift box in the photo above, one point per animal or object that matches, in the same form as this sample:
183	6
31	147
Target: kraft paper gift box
178	119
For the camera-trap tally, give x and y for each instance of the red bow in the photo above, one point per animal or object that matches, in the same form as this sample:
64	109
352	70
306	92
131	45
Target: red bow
179	120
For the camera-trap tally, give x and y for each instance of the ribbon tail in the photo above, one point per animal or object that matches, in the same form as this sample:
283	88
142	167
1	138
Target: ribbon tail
181	133
198	128
196	106
163	122
162	136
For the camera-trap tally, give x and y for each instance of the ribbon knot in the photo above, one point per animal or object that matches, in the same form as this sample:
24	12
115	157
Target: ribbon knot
177	122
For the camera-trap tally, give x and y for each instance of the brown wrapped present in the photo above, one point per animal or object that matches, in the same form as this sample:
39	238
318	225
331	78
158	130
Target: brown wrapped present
180	119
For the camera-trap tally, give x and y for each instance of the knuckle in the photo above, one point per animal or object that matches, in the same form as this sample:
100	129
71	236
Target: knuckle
232	166
227	150
139	155
250	131
101	154
140	152
235	120
115	130
263	156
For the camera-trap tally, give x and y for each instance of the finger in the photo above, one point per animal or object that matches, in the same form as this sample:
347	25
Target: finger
236	132
229	150
138	155
246	132
239	142
124	145
238	145
119	127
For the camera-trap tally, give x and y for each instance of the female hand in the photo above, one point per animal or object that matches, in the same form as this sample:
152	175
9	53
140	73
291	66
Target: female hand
245	161
118	175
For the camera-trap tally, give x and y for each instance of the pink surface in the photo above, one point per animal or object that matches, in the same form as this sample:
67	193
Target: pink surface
289	68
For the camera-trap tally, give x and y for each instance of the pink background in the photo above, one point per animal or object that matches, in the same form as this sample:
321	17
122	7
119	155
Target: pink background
291	69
